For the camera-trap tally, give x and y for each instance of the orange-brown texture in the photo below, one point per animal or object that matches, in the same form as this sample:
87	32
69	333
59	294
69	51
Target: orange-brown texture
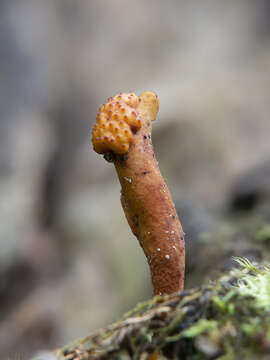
145	197
115	123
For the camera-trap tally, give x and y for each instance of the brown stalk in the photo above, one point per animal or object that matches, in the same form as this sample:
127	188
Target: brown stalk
123	134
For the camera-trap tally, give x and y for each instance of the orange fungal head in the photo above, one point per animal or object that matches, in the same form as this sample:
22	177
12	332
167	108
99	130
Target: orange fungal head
117	120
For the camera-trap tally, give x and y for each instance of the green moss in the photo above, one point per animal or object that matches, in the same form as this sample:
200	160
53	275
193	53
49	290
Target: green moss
226	320
200	327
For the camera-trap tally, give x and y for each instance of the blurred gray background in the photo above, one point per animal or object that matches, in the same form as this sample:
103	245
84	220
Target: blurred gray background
68	261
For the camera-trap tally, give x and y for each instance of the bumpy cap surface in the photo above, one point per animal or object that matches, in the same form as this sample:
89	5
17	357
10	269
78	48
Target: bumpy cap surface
117	120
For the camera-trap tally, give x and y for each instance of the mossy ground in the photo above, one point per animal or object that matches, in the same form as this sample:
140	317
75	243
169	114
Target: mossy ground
228	319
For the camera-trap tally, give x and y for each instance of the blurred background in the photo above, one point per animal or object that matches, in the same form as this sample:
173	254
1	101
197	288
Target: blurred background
68	261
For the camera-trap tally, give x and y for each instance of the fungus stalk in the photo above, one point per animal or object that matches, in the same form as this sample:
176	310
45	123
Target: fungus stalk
123	134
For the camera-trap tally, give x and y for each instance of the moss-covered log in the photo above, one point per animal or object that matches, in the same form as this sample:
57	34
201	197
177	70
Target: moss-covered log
226	320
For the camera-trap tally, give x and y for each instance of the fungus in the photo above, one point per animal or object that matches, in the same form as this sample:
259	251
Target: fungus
122	133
